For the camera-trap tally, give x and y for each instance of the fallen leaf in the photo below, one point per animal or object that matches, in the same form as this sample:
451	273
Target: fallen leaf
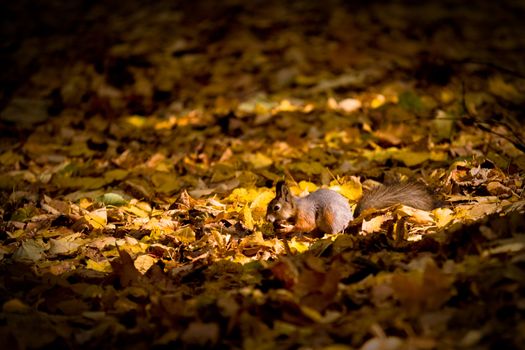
349	105
144	262
201	334
97	218
15	306
114	199
65	245
30	251
388	343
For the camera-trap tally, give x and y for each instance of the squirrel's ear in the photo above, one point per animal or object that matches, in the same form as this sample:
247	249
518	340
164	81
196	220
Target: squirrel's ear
279	187
282	190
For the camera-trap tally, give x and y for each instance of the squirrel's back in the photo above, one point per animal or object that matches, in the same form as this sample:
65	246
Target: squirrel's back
411	194
331	210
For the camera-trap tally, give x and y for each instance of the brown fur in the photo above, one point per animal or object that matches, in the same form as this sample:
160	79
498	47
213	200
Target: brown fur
328	211
305	222
411	194
327	221
321	211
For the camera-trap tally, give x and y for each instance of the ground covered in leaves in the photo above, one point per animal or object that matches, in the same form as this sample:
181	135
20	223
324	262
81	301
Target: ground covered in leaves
140	146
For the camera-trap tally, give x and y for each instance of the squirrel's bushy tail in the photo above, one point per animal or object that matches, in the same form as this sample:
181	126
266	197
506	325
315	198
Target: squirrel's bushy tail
411	194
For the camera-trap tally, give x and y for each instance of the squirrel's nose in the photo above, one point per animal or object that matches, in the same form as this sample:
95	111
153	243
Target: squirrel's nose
270	218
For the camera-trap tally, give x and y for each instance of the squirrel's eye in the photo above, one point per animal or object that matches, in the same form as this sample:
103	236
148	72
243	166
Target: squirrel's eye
277	207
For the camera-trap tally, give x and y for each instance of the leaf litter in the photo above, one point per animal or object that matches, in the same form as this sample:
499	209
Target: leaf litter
134	217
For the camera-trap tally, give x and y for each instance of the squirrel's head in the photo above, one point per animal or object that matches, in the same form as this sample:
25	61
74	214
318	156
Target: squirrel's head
281	211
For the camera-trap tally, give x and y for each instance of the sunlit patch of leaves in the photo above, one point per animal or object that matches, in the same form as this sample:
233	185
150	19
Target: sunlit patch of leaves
129	222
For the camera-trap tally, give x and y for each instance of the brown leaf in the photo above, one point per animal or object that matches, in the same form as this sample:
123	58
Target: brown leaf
201	334
125	269
423	290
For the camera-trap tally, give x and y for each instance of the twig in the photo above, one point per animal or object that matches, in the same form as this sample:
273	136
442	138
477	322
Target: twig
286	246
519	144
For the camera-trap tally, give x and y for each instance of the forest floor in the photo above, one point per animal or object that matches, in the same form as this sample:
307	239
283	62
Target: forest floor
140	145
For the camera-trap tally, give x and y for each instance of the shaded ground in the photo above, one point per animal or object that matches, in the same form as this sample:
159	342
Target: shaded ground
140	144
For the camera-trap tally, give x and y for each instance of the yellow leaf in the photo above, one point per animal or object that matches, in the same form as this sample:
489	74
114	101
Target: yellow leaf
374	224
185	235
262	108
136	121
311	313
473	100
65	245
331	103
306	80
97	218
256	239
144	262
443	125
16	234
85	203
10	158
243	195
351	189
307	186
473	212
298	246
503	89
446	96
286	106
248	219
416	215
309	168
78	182
115	174
411	158
166	182
443	216
308	107
258	160
222	172
377	102
144	206
241	259
137	211
101	266
281	327
438	156
259	204
15	306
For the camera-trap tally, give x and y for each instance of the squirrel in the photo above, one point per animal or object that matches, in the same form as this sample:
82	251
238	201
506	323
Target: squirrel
328	211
